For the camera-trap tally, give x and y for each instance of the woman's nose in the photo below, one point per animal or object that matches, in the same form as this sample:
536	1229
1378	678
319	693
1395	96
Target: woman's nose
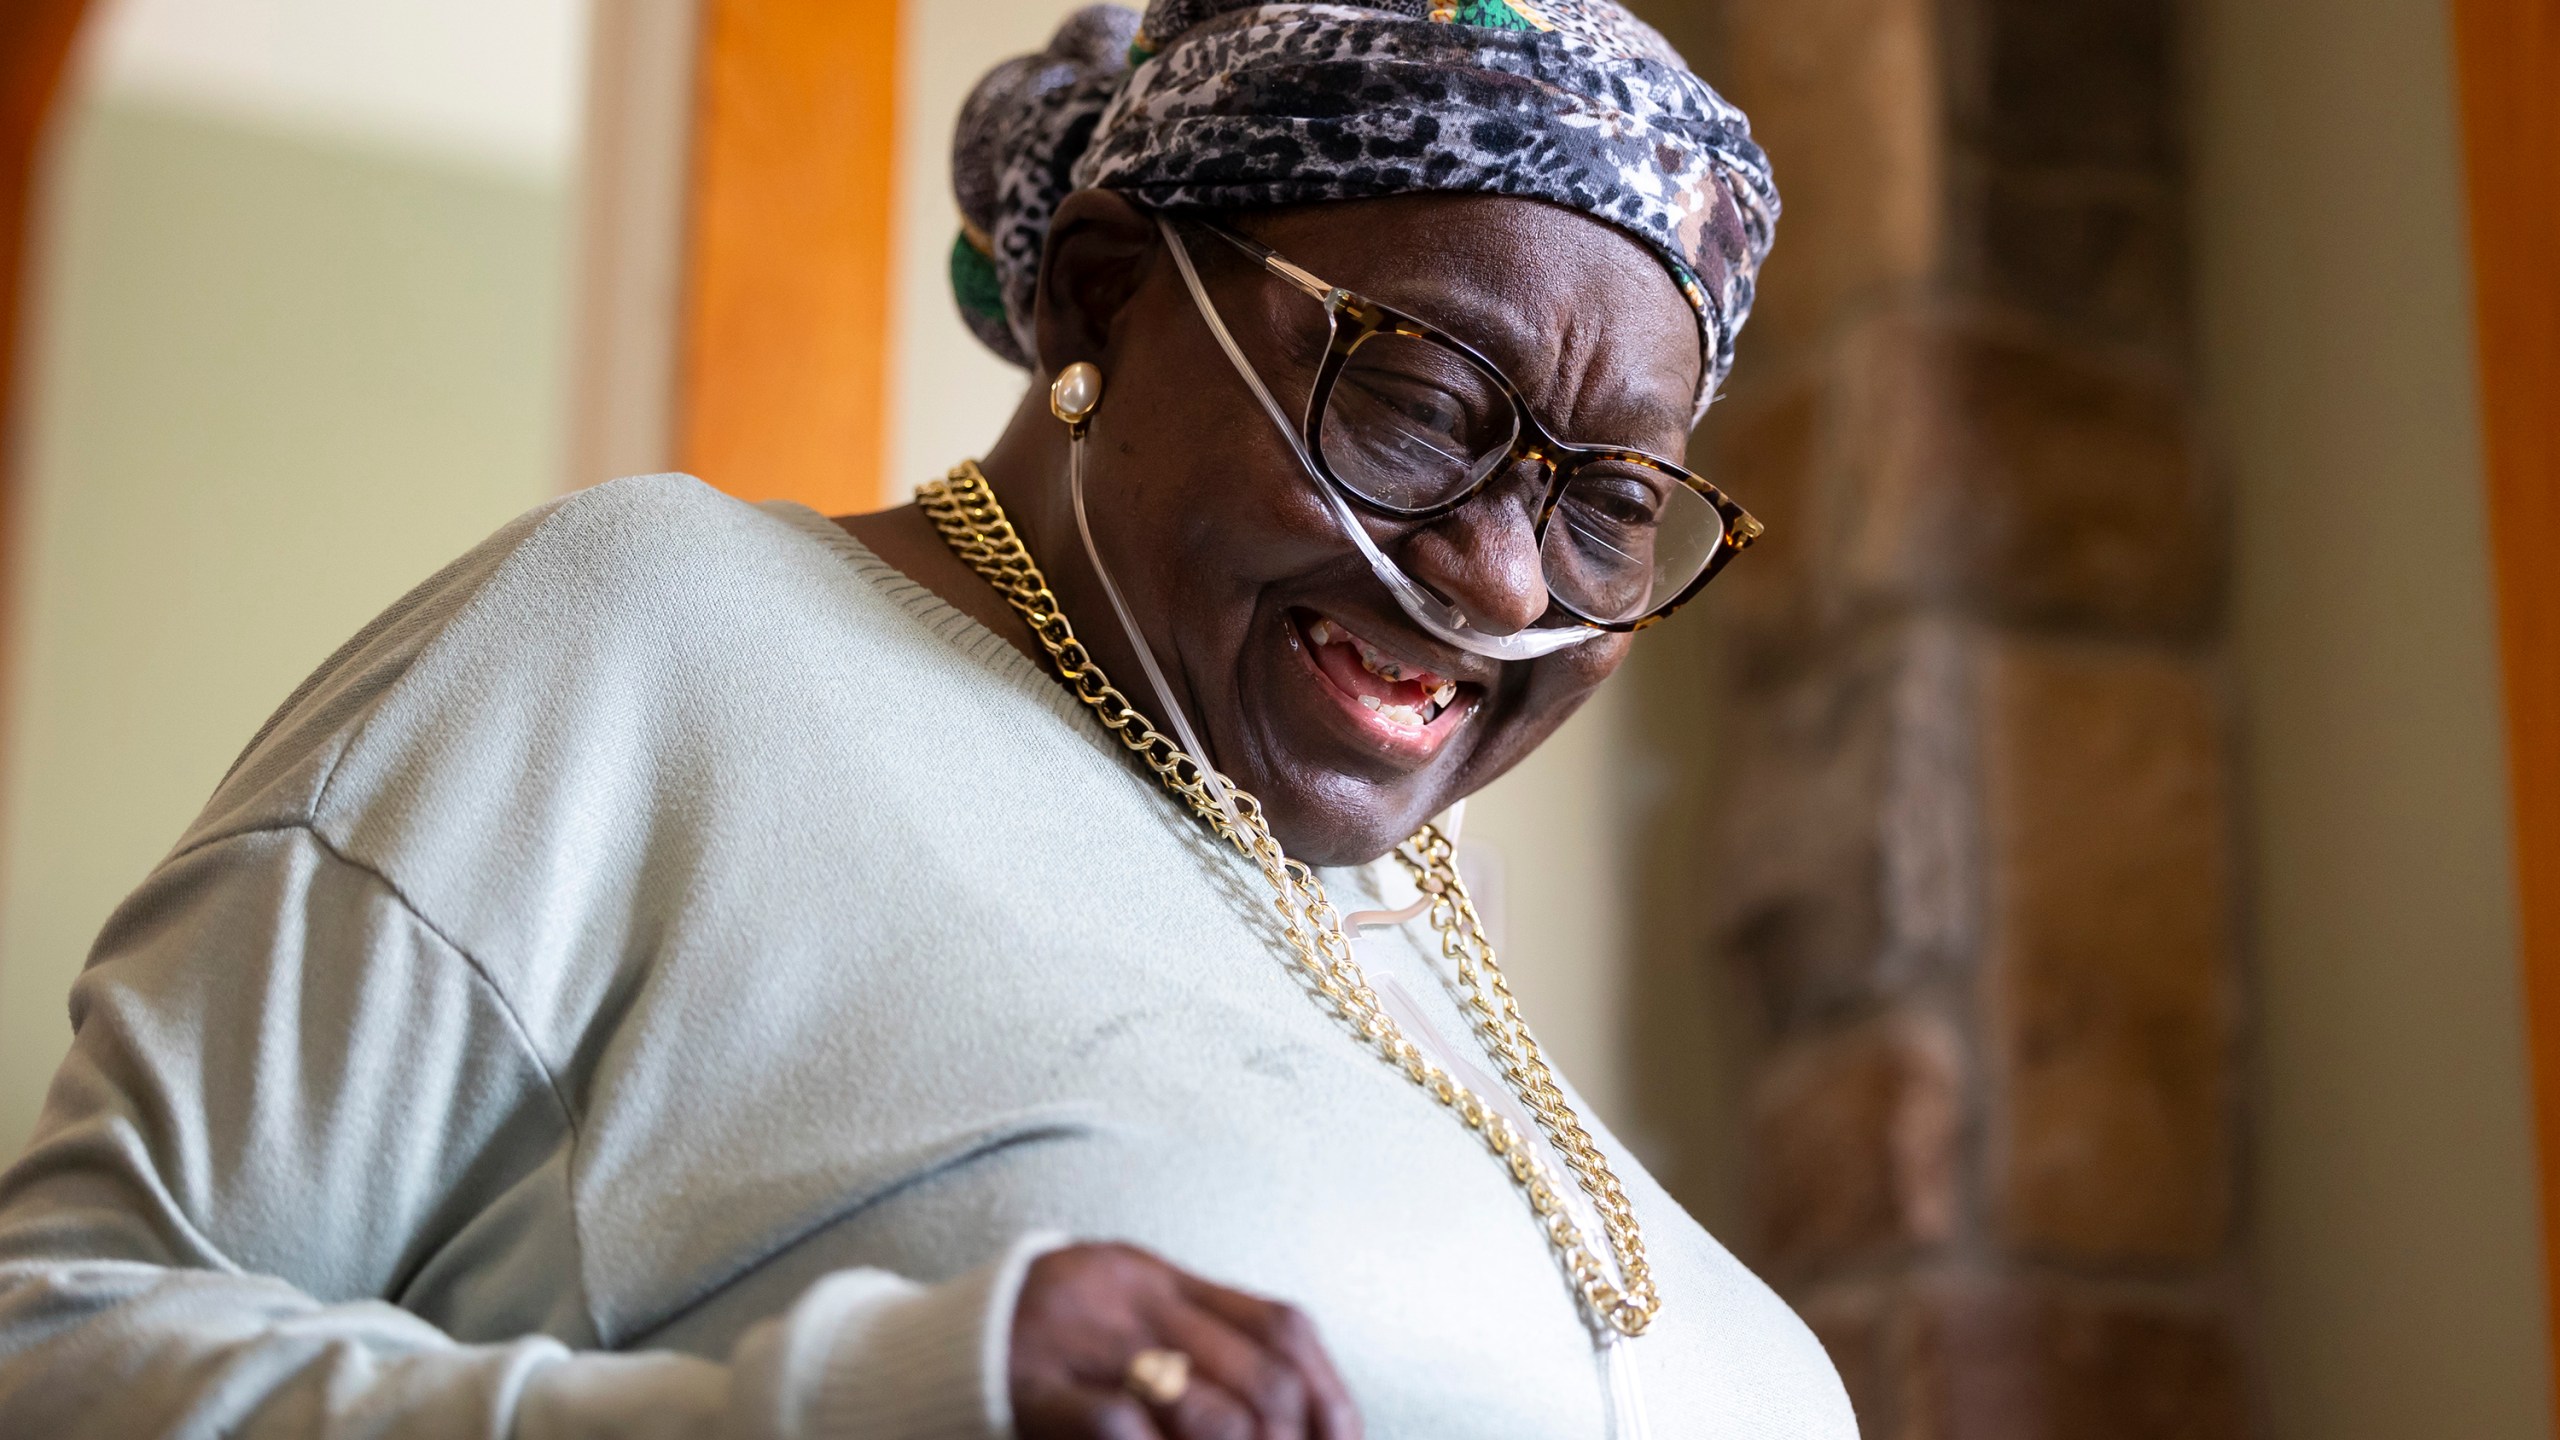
1483	557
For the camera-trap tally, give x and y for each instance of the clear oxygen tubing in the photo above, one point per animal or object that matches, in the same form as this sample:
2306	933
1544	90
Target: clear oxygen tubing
1621	1384
1437	617
1448	822
1215	783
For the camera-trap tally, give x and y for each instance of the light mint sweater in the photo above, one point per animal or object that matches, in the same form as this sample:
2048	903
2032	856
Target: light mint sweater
669	975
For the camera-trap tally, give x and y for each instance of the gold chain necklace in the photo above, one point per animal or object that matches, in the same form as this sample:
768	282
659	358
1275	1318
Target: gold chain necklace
964	509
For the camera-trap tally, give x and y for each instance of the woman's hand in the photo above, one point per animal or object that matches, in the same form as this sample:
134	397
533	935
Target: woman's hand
1257	1371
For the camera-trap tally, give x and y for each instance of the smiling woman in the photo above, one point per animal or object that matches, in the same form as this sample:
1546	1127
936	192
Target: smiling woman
699	962
1242	561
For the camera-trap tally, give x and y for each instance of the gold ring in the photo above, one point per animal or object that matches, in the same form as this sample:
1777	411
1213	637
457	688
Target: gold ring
1158	1377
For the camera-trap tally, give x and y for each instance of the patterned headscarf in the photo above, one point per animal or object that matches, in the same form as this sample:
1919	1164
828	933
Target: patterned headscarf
1226	103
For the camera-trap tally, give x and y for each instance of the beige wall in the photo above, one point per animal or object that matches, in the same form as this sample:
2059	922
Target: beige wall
2392	1177
952	394
278	381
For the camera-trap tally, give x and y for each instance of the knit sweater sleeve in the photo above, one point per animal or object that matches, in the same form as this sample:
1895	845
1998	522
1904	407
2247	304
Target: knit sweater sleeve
287	1098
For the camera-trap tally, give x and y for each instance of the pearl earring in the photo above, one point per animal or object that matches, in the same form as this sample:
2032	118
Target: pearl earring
1075	394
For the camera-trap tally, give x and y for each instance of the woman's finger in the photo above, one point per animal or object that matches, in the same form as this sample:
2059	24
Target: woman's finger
1207	1411
1274	1397
1286	1331
1084	1412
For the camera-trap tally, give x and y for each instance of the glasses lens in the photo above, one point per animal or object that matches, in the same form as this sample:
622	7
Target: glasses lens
1626	539
1411	424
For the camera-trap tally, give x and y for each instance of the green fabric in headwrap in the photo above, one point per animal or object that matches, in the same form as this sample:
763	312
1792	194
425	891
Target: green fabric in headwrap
1493	15
973	280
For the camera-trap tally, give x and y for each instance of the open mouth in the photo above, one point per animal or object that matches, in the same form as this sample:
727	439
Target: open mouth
1400	700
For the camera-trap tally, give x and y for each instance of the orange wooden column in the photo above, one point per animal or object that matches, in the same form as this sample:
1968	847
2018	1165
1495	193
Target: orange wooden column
36	38
783	384
2509	52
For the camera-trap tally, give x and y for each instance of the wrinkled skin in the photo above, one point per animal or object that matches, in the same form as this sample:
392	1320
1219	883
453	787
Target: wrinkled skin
1224	551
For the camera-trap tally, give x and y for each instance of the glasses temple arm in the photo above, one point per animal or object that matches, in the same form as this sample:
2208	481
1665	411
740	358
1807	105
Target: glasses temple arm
1278	264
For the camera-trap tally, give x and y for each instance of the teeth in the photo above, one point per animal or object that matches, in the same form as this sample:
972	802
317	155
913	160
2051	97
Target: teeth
1325	632
1379	665
1404	715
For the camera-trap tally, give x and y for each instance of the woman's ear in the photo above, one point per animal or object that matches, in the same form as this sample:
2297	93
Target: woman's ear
1099	250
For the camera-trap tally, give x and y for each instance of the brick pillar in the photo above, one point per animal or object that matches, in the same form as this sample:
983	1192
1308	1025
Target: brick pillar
1976	866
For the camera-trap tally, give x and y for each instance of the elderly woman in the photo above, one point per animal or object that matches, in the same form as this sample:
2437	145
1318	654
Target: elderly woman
693	969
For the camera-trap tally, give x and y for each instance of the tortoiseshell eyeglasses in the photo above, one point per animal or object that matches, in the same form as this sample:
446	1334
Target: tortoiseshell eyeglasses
1411	422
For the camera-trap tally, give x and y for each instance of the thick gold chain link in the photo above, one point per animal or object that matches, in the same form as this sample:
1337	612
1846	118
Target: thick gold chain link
964	510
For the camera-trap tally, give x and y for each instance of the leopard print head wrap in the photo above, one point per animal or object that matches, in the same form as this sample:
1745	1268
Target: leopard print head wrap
1228	104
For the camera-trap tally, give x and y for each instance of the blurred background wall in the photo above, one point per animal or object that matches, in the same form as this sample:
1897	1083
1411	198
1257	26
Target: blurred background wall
2391	1184
297	311
327	289
2116	808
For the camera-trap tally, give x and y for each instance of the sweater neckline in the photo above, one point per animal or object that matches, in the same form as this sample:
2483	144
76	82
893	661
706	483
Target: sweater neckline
946	621
967	634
